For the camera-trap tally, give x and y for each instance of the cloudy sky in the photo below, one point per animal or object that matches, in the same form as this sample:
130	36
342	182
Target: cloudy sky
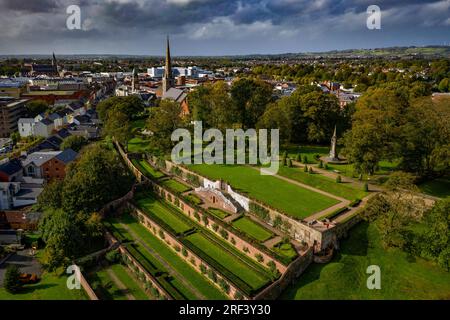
218	27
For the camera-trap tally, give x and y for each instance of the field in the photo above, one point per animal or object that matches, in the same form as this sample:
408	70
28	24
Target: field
164	212
439	187
241	267
282	195
346	191
202	285
175	185
218	213
147	169
123	274
252	229
402	277
51	287
309	151
138	145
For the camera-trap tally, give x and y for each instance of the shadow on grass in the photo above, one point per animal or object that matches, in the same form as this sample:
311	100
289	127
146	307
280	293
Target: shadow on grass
27	289
356	244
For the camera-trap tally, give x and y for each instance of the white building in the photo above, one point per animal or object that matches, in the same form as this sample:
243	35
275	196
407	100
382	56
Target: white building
26	127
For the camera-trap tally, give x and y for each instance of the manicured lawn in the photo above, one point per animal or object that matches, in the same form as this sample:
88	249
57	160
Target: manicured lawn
175	185
252	229
323	183
51	287
147	169
123	274
153	206
194	199
285	250
228	261
439	187
282	195
309	151
138	145
105	287
385	168
218	213
345	277
191	275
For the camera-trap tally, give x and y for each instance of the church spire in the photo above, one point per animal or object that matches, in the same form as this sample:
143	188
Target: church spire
168	79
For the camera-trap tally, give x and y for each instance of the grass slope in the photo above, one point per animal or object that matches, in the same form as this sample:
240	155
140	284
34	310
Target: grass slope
252	229
323	183
292	199
345	277
439	187
51	287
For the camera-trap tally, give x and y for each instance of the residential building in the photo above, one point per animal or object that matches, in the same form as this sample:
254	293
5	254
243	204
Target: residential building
11	110
48	165
11	171
44	128
26	127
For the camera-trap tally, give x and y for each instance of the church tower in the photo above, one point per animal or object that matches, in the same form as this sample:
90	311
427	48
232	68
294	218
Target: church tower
55	65
168	80
134	81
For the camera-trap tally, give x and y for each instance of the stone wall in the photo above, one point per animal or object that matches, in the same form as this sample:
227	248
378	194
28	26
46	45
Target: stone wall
177	247
87	288
148	276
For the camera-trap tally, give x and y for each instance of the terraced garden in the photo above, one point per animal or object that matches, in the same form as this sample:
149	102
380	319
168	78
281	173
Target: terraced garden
147	169
291	199
246	274
163	213
175	186
252	229
218	213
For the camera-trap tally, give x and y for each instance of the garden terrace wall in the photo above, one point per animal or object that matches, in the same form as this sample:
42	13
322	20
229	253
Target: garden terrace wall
318	239
294	270
147	275
153	227
207	221
87	288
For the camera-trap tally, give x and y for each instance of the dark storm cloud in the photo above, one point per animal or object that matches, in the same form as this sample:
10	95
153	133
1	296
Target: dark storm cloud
214	25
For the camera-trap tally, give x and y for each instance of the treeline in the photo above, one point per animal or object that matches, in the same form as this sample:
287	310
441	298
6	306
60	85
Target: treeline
71	225
388	124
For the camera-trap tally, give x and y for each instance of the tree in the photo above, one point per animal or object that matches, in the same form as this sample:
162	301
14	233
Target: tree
11	280
74	142
62	237
95	179
35	107
163	121
394	209
251	98
131	106
444	85
15	137
118	126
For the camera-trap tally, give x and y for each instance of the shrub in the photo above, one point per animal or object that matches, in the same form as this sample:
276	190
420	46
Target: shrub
205	220
260	211
289	163
305	159
238	296
366	187
161	234
298	158
277	222
11	281
177	247
224	285
326	166
259	257
305	168
184	252
311	171
233	241
203	268
224	234
338	179
113	256
212	275
321	164
215	227
196	216
192	261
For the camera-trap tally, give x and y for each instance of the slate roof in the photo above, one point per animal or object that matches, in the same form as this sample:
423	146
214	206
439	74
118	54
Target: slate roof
46	122
175	94
11	167
26	120
67	156
39	158
63	133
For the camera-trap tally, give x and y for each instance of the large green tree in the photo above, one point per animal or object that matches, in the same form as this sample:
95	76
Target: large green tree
131	106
